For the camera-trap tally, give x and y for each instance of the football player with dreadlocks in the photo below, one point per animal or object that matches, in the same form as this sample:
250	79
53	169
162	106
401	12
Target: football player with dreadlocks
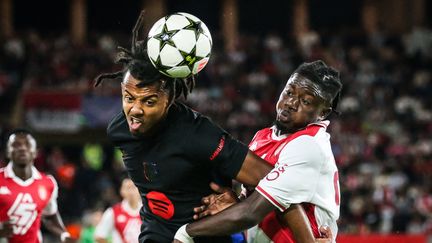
305	172
171	152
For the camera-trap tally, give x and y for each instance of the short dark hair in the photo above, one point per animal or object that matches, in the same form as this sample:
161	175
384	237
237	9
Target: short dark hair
138	63
23	131
19	131
324	76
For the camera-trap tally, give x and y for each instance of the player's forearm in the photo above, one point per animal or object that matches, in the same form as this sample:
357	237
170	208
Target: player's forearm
296	219
54	224
234	219
231	220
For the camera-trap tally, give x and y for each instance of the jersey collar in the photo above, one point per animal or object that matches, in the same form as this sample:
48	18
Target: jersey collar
274	135
9	173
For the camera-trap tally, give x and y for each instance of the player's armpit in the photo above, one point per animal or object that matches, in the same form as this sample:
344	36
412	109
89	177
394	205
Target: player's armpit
253	169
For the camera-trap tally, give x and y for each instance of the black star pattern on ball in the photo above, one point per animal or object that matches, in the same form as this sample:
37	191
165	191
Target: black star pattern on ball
195	26
165	36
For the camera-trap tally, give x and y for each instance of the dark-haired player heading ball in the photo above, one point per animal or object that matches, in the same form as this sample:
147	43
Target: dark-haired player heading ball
171	152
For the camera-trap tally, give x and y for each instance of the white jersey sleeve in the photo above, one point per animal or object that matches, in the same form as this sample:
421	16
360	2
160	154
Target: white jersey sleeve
105	227
52	207
296	174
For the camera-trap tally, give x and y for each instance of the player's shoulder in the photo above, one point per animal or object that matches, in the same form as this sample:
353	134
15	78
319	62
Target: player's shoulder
187	118
182	112
117	206
48	179
314	132
2	172
264	132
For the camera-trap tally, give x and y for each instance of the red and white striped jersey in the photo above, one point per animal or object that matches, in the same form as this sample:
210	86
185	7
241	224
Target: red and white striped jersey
122	221
305	172
24	202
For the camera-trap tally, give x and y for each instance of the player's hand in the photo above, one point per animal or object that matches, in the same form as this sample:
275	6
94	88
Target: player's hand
214	203
176	241
6	229
326	234
65	237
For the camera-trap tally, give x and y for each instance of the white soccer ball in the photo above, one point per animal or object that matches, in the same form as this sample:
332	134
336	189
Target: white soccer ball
179	45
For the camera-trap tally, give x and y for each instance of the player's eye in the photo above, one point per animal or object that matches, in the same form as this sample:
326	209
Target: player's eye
150	102
128	99
306	102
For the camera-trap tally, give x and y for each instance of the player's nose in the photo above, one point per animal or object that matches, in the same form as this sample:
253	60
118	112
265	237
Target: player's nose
292	103
136	109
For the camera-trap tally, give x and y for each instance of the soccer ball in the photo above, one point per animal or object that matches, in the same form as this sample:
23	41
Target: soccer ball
179	45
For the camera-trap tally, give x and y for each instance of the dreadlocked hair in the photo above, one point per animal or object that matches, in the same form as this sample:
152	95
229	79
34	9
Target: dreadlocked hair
137	62
326	77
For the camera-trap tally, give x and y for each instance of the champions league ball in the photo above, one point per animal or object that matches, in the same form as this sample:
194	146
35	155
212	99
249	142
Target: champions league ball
179	45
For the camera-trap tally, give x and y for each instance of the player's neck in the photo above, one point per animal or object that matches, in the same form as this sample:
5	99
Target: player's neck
133	204
23	172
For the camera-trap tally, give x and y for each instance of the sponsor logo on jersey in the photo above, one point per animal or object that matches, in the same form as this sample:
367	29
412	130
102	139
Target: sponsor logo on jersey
42	192
160	204
22	213
219	148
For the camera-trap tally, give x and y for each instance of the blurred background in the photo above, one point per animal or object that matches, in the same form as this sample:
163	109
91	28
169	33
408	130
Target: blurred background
50	52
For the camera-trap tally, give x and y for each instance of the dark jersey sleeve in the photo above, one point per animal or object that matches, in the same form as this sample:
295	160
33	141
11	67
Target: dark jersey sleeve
209	143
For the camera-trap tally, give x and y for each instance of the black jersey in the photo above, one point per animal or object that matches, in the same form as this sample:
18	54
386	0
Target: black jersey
173	168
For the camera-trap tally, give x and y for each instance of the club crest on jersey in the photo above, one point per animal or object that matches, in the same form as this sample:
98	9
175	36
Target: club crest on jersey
42	193
150	170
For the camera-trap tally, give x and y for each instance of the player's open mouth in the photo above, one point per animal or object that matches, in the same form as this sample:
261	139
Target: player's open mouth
284	116
135	123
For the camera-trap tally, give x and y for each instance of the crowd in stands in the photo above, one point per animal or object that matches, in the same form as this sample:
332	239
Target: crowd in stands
382	138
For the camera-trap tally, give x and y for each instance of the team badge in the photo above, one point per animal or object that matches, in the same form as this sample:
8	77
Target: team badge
150	170
42	193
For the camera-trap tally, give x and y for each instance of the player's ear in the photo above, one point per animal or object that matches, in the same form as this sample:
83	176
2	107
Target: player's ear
8	152
325	112
9	148
33	146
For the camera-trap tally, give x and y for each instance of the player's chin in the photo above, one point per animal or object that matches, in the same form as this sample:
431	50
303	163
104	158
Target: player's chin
282	126
136	132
